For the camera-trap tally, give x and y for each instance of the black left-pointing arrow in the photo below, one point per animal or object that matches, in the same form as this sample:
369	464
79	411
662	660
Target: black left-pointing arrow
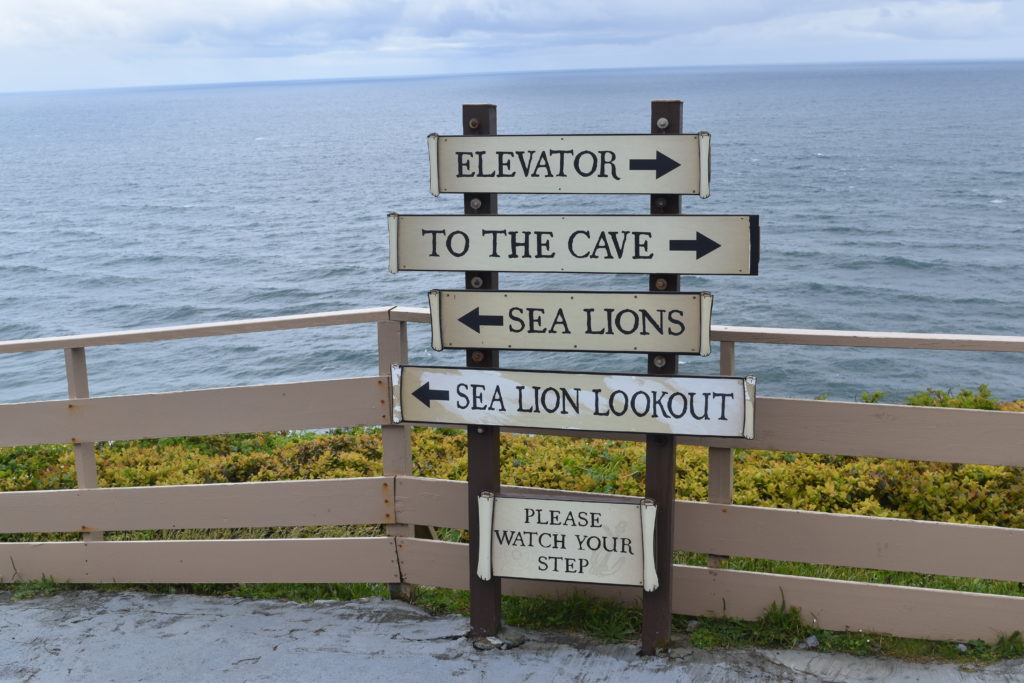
426	394
660	164
473	320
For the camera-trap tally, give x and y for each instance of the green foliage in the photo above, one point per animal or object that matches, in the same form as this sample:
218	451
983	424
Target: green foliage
873	397
1007	646
779	626
599	619
25	590
965	398
30	468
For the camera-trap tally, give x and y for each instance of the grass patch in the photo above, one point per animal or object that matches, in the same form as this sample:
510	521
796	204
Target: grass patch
782	626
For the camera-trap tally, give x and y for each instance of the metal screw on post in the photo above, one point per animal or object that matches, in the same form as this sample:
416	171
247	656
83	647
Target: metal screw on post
475	204
476	282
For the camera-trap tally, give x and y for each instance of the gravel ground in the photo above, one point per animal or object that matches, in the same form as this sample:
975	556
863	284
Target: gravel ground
87	636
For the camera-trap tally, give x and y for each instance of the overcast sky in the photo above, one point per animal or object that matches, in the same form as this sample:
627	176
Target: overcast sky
64	44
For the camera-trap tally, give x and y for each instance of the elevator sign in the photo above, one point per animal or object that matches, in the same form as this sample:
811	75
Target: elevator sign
571	164
651	404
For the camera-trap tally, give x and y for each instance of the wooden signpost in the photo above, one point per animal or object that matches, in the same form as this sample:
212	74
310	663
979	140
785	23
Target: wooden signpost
590	542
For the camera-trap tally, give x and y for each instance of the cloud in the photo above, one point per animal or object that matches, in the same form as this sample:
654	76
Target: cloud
302	26
320	38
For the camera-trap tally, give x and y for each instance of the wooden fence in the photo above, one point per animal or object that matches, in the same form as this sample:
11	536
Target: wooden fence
400	501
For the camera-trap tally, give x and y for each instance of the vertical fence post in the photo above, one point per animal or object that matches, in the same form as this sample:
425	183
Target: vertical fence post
85	452
392	348
720	459
660	477
483	442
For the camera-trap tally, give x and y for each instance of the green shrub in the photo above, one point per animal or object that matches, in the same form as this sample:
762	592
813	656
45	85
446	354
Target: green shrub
975	494
965	398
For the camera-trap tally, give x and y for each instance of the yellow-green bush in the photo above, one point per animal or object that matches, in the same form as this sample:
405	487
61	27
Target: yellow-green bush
975	494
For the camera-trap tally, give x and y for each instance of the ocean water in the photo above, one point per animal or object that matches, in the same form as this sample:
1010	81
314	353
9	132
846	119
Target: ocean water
891	198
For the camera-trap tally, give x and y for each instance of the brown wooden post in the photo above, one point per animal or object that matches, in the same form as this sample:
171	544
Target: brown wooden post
392	348
720	460
85	452
660	479
483	442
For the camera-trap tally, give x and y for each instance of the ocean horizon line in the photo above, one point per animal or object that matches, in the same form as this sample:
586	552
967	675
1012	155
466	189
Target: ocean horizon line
725	68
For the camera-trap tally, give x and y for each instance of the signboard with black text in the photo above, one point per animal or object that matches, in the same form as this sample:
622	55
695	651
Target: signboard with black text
652	404
571	164
647	322
684	245
567	540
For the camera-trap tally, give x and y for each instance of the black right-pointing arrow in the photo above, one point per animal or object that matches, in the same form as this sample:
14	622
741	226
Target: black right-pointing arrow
660	164
703	245
426	394
473	320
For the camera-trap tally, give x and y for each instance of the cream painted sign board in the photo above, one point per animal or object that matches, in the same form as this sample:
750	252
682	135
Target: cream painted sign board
647	404
571	164
647	322
686	245
563	540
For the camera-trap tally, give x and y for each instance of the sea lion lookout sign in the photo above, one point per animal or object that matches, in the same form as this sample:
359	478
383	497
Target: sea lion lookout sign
571	164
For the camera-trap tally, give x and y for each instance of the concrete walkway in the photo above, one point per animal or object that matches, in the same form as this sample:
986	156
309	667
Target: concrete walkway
88	636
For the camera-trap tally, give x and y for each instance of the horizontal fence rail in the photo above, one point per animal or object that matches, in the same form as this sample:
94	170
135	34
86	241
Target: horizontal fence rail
287	322
926	547
814	537
721	333
399	503
314	502
270	407
877	430
279	560
770	533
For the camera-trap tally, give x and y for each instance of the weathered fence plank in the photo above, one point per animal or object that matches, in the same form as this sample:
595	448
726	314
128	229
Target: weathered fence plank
882	431
777	534
701	591
284	322
849	606
270	407
281	560
851	540
201	506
